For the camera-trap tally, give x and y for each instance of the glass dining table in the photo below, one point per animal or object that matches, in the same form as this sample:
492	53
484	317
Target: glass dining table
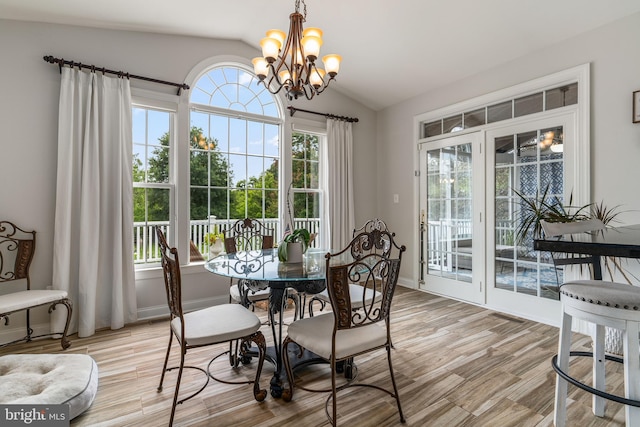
263	270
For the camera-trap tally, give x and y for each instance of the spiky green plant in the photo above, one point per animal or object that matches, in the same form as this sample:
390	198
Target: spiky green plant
543	207
551	209
611	264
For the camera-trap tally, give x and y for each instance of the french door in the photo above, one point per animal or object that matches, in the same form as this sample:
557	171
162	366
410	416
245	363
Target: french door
525	160
471	214
451	210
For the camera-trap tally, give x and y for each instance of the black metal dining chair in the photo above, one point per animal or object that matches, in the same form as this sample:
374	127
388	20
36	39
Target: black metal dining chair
209	326
346	333
360	296
246	235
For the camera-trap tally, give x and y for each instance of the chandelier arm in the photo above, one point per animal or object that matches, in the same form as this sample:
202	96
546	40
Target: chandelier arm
268	84
306	72
289	67
308	95
274	74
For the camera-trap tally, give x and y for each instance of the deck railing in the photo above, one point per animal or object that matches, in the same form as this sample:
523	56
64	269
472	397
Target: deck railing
145	244
445	236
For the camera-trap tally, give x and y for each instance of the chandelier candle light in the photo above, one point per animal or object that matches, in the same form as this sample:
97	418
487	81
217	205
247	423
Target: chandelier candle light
292	64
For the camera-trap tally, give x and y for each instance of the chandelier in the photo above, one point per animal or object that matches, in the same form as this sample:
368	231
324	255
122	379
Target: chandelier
292	64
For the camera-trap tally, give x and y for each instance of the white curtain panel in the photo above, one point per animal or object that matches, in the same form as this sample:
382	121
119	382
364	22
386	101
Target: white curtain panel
93	235
340	206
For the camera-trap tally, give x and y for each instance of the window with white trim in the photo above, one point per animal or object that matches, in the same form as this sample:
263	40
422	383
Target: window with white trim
153	135
305	178
232	164
235	149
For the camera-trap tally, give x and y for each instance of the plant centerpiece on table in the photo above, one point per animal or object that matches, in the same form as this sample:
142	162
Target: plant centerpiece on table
294	243
287	251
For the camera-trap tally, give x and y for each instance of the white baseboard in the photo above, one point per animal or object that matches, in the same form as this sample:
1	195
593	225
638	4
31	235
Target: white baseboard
10	334
19	332
159	311
407	283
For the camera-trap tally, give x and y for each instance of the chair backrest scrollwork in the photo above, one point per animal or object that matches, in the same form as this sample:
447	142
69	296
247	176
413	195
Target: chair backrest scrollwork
246	235
368	262
171	271
380	242
17	248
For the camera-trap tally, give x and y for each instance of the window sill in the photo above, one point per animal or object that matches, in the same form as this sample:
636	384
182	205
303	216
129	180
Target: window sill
156	271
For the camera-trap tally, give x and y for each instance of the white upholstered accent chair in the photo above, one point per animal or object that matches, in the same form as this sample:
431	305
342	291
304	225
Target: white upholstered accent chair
602	303
360	296
345	333
17	248
223	323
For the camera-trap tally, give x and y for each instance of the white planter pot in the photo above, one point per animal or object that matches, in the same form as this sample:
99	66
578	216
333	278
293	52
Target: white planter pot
216	248
294	252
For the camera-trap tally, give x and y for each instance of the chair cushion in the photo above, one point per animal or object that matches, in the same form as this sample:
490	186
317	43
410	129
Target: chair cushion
216	324
42	379
252	296
357	294
25	299
314	334
610	294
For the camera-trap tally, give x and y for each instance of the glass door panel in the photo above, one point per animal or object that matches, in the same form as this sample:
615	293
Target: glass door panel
528	164
448	195
524	163
449	212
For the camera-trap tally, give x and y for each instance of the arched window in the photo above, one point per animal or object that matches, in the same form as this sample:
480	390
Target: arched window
234	149
236	161
234	88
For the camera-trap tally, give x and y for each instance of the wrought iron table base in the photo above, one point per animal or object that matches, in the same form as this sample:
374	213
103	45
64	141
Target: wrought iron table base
277	301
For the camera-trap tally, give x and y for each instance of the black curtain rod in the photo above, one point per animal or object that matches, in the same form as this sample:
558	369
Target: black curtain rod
331	116
50	59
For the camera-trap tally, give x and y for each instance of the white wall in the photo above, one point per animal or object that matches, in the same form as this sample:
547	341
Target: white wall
29	90
615	151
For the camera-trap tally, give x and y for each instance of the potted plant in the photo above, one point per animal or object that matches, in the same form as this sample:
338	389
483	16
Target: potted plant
215	240
534	209
293	245
542	207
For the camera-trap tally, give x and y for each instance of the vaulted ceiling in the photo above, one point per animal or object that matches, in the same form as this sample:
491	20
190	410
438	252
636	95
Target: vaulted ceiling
392	50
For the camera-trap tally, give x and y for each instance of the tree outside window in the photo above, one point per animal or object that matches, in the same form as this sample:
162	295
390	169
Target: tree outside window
305	164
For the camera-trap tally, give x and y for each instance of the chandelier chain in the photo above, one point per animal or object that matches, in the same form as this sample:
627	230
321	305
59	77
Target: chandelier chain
304	10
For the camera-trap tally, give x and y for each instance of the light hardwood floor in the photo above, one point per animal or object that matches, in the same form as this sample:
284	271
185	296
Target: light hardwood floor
456	365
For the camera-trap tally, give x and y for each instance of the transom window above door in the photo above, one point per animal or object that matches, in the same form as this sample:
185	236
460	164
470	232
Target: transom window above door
544	100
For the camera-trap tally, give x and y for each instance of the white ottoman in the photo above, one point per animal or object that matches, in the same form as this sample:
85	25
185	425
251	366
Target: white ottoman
49	379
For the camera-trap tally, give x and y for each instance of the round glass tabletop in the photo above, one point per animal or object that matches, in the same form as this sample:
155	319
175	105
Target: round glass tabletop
264	265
